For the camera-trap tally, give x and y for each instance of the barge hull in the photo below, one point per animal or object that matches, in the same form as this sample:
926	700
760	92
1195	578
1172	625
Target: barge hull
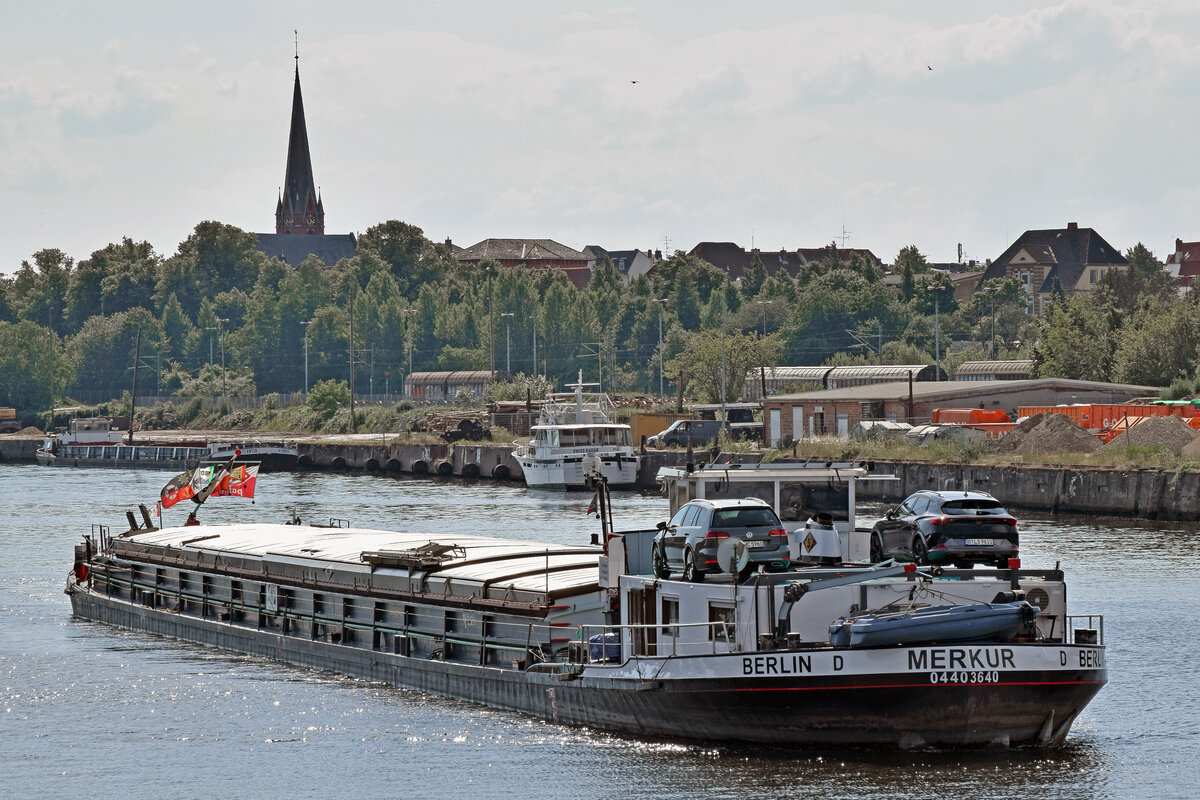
901	709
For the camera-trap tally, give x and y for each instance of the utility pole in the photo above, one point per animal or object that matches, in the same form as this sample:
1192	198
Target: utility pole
306	324
993	298
937	335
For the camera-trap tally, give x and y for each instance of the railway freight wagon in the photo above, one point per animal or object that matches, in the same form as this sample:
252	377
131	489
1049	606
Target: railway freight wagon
784	379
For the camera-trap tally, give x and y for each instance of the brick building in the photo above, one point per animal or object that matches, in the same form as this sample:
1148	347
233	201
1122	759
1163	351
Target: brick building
835	412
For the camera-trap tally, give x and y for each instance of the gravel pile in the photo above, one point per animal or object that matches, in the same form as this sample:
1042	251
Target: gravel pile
1043	434
30	431
1171	433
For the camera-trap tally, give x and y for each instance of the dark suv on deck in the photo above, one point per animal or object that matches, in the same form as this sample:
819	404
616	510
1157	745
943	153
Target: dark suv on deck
960	528
689	542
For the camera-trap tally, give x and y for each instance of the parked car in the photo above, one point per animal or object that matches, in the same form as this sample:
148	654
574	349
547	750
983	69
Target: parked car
961	528
688	543
697	432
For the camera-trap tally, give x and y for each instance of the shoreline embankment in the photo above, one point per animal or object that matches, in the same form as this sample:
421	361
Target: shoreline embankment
1107	491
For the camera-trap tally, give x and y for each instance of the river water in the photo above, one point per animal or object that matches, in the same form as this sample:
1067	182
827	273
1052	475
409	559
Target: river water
91	711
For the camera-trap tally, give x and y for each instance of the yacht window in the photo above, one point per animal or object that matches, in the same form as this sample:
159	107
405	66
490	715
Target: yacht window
574	437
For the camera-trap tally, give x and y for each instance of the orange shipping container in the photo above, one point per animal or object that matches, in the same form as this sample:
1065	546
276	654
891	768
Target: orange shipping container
968	416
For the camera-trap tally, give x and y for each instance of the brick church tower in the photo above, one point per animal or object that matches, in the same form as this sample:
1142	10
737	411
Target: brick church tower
299	209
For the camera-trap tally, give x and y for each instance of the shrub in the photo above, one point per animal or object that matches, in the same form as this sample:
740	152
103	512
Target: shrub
328	397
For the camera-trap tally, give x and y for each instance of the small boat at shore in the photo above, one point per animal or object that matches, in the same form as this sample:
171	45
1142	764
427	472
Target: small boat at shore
587	635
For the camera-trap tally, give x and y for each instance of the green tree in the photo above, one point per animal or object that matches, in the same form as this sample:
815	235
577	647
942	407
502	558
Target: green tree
214	258
700	362
753	278
102	353
404	248
1076	340
25	365
38	291
1161	343
130	271
1145	281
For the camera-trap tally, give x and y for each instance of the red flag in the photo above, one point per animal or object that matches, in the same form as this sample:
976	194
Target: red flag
239	482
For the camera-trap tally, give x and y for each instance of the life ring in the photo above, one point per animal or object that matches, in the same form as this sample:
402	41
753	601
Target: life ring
81	572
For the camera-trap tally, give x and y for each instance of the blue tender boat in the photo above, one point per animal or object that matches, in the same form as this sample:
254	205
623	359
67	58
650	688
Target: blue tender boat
964	623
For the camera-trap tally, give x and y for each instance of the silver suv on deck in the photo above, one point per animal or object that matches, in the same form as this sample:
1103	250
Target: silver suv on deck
689	542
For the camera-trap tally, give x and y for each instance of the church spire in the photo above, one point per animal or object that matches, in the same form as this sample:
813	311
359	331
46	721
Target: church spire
300	209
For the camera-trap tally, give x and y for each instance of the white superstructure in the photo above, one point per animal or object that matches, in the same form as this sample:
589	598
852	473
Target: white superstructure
574	428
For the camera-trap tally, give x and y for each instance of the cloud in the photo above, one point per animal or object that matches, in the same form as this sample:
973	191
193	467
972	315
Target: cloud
132	106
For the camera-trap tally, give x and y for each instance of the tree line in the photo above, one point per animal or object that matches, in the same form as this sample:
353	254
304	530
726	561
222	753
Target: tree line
220	317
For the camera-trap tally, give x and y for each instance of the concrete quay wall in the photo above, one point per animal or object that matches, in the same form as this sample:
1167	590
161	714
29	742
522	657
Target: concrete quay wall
457	460
19	448
1146	494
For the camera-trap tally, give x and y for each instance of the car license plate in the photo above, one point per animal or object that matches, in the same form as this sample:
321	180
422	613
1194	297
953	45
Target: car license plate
753	543
981	542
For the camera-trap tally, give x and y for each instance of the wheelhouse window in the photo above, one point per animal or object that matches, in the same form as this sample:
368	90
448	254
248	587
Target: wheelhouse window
669	617
721	618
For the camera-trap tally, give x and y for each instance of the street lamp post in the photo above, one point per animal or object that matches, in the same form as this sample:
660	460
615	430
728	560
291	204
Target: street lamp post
662	301
212	378
306	324
724	305
762	371
407	314
764	315
221	339
508	315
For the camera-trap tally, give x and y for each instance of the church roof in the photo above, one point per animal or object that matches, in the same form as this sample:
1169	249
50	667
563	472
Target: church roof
293	248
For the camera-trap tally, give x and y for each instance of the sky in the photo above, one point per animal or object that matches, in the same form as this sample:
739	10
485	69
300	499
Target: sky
627	125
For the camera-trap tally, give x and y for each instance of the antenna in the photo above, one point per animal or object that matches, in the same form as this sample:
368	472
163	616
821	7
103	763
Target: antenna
296	34
845	233
666	246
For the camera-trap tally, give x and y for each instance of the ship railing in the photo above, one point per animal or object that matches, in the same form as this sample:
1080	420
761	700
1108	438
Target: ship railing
1085	629
522	450
605	643
99	539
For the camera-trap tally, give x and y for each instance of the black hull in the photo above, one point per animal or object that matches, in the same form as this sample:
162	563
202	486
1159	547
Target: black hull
901	710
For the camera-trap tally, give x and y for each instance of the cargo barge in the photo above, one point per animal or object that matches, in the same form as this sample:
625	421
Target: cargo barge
94	442
586	635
